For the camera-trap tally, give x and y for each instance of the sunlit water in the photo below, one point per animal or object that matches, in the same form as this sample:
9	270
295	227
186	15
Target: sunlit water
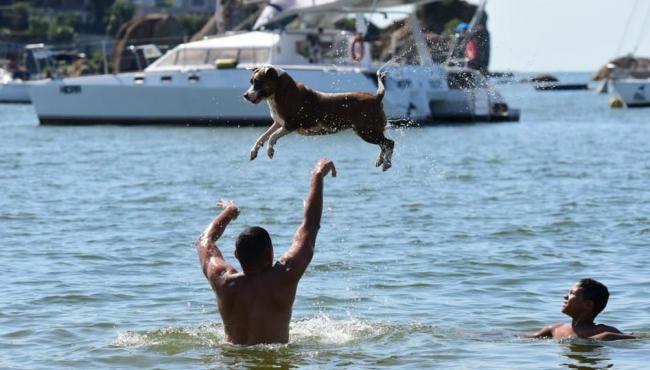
469	240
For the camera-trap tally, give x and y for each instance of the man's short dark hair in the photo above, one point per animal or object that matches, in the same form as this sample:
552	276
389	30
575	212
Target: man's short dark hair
595	292
252	245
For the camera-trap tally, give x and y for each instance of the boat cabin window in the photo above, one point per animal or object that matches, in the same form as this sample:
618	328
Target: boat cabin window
322	49
169	59
253	56
192	57
215	54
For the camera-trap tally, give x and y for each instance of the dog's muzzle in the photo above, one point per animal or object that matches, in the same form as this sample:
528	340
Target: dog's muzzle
252	97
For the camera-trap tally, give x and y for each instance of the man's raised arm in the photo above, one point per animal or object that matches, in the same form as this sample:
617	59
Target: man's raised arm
297	258
210	257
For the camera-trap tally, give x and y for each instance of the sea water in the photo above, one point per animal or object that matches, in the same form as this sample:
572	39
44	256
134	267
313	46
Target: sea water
470	240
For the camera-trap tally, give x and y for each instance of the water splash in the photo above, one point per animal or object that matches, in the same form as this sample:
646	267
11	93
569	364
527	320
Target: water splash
208	335
316	330
325	330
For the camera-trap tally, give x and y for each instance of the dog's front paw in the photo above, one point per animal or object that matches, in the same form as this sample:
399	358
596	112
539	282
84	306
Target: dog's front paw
253	154
379	162
270	151
386	166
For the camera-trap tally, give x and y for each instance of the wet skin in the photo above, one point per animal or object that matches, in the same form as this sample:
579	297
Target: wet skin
256	304
581	311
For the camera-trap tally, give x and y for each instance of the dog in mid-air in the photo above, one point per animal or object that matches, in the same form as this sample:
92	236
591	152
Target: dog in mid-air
296	107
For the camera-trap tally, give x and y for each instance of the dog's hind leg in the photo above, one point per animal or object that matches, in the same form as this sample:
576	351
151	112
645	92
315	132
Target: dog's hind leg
386	145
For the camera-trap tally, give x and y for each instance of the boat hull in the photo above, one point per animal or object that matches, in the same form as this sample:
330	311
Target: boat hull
14	92
215	97
634	92
187	98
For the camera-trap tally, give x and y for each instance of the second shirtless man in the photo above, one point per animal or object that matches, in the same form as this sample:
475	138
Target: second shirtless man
255	304
586	299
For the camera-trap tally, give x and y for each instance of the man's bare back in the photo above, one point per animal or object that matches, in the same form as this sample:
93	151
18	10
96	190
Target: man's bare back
255	305
257	309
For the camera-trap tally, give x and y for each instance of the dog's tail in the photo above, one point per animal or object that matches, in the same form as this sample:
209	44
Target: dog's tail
381	89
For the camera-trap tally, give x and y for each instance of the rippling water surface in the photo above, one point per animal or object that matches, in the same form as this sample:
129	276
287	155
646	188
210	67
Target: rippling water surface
470	239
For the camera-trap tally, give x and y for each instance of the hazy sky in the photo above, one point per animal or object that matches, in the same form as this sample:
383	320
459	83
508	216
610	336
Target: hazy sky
565	35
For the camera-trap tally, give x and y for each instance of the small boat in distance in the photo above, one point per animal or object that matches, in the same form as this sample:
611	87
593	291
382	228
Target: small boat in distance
12	90
202	82
14	84
628	79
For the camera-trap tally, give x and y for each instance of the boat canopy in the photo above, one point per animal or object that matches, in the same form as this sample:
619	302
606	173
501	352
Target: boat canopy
324	13
250	47
256	39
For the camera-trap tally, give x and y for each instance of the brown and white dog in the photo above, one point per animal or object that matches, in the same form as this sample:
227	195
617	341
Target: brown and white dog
296	107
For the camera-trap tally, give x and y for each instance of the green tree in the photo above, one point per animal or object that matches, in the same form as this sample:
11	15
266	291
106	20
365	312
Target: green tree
192	23
118	14
62	29
38	27
100	11
19	18
164	4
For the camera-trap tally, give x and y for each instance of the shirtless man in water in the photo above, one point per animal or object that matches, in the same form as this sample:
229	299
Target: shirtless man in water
586	299
255	305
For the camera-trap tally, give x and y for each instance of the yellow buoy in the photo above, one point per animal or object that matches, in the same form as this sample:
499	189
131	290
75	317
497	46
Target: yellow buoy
616	103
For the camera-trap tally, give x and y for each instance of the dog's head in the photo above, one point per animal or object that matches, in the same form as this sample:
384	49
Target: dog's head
265	81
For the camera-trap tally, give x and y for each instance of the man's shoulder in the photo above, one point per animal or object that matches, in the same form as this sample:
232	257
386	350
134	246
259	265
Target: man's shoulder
560	328
273	281
227	280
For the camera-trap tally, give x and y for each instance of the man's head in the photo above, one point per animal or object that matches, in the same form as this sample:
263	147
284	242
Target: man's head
254	249
587	296
265	81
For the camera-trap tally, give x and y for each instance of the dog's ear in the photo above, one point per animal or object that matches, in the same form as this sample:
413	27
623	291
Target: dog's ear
271	72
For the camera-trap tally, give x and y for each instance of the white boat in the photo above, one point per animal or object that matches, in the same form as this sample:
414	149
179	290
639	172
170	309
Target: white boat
633	91
11	90
16	90
202	82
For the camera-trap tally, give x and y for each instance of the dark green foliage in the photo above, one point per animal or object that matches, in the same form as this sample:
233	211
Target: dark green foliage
118	14
191	23
38	25
101	9
62	29
19	16
164	3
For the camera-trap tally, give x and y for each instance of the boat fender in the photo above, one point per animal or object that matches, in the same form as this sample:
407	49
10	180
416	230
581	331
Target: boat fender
357	43
225	63
616	103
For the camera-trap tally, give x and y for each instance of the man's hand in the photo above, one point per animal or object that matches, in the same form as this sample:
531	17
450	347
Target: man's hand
323	167
218	225
213	264
230	206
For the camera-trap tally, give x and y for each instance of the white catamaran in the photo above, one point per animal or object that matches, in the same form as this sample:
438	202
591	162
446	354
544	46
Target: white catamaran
202	82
